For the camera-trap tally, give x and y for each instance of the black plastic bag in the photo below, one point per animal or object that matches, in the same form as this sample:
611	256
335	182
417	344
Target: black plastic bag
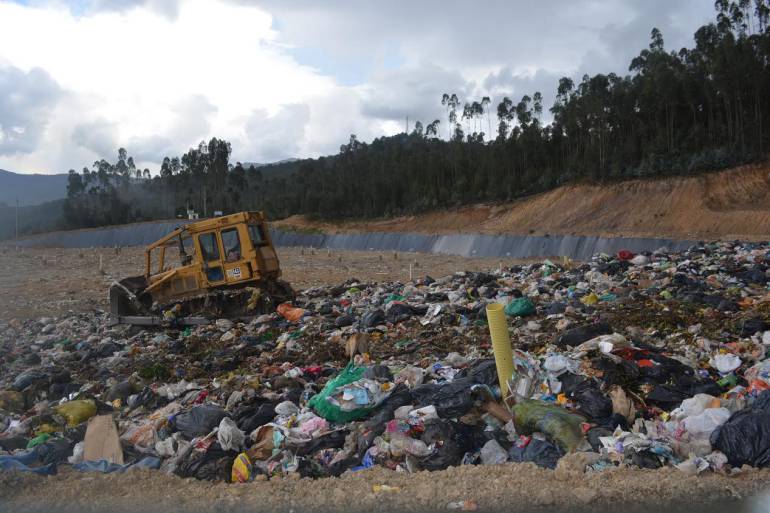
250	418
745	437
400	396
576	336
451	399
213	465
378	372
481	372
447	452
624	373
666	397
539	452
645	459
332	440
199	421
555	308
399	312
593	435
592	402
344	320
55	450
373	318
29	378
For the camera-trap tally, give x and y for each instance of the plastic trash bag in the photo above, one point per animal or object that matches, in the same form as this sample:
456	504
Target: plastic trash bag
241	471
492	453
249	418
77	412
452	399
332	412
55	450
29	378
373	318
520	307
592	402
290	312
576	336
703	424
212	465
725	363
77	453
399	396
745	437
442	435
199	421
229	436
562	427
539	452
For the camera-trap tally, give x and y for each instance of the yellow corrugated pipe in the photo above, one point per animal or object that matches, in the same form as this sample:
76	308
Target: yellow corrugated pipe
501	344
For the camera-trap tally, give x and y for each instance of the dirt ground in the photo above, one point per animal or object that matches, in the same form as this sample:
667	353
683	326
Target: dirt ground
728	205
512	487
47	282
51	282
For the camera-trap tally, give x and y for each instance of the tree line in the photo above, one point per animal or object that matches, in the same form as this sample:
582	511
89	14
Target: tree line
676	112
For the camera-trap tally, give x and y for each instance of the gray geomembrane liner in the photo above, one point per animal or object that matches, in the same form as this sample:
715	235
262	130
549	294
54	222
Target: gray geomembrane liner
468	245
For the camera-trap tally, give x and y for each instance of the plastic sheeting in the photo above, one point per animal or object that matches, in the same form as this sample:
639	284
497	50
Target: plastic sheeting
468	245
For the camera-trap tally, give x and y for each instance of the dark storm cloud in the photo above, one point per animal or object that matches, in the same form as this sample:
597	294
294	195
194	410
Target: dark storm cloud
26	101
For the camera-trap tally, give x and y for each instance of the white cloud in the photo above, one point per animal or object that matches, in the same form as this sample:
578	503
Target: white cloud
158	76
26	99
141	76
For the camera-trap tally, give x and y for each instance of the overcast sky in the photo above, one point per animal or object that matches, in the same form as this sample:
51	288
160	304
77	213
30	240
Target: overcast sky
288	78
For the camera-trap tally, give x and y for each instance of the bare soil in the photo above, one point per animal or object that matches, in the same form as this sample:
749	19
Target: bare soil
48	282
728	205
511	487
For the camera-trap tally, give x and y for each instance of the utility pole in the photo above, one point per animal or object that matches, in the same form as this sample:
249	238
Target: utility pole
407	125
17	222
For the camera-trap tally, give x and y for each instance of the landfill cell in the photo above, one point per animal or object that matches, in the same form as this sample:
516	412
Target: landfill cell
642	381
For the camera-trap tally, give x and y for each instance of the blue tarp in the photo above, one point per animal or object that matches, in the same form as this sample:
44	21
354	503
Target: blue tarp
105	467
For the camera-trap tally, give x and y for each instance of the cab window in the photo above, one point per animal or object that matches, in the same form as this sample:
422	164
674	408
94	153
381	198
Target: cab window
209	247
257	234
232	245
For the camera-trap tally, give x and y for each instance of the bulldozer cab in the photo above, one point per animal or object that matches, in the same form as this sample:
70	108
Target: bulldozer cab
227	252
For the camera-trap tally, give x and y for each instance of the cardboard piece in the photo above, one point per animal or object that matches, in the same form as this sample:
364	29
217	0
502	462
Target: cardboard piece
102	441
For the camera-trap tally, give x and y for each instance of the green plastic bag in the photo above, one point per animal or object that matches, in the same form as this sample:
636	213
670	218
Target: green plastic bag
332	412
77	412
561	426
520	307
39	439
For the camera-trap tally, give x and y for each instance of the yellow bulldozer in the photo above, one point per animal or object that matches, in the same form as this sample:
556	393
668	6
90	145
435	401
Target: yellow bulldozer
226	267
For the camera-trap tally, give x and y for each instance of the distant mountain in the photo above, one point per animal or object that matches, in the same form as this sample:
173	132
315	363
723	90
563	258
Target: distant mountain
247	165
31	189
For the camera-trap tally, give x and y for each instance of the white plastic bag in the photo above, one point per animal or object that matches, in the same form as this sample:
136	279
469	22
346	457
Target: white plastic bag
229	436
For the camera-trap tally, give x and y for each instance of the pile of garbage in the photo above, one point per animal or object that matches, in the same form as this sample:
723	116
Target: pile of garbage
644	360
